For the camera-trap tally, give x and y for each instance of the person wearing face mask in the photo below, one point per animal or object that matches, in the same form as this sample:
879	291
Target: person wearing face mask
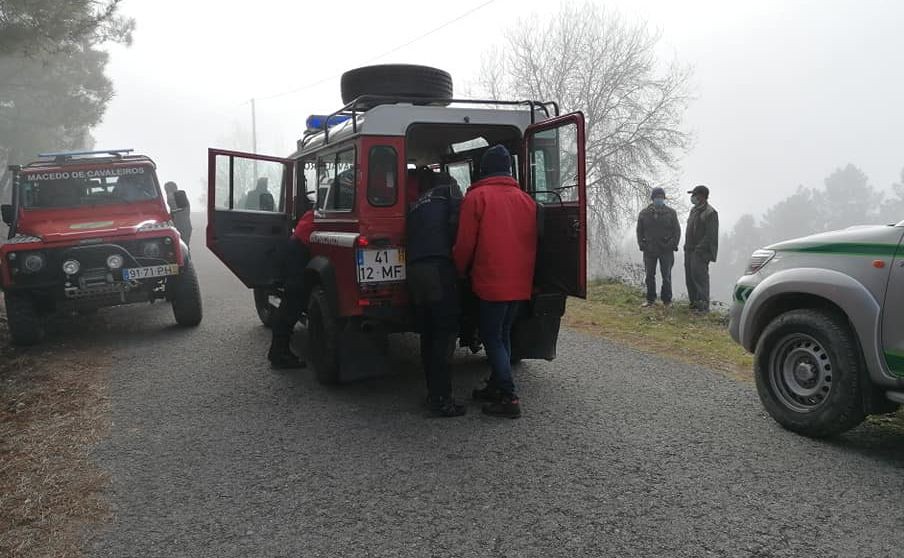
701	245
658	234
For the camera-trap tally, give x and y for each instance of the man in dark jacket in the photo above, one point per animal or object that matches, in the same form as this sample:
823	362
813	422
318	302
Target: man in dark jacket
701	246
496	248
658	234
433	284
293	263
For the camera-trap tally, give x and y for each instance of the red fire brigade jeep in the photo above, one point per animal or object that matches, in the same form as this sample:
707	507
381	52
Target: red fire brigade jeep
87	230
362	165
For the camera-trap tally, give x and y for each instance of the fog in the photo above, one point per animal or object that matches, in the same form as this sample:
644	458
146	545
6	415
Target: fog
784	93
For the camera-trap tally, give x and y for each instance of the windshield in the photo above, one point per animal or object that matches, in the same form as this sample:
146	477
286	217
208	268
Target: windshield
87	188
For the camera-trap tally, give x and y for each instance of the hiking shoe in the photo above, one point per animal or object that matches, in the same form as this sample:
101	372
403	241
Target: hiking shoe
487	394
509	406
445	407
285	361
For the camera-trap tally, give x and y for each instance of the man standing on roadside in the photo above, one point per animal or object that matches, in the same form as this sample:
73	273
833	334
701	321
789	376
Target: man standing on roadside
181	215
295	260
701	245
658	234
496	247
433	284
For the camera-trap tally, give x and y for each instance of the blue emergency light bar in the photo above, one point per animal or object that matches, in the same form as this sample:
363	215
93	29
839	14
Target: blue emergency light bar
65	154
315	121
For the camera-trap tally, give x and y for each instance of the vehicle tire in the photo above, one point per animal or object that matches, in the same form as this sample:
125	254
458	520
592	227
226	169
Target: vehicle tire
323	338
808	368
266	310
398	80
26	326
187	297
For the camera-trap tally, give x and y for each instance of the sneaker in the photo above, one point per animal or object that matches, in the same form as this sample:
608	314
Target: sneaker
509	406
647	304
487	394
445	407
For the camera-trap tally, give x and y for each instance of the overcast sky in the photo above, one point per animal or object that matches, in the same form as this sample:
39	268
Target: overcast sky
786	91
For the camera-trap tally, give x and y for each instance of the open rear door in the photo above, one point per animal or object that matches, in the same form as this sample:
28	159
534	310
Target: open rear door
249	200
555	176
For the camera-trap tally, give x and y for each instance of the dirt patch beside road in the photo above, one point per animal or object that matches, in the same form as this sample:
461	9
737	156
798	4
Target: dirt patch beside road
53	405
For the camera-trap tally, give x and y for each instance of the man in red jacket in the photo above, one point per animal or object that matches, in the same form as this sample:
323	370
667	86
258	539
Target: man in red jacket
291	305
496	247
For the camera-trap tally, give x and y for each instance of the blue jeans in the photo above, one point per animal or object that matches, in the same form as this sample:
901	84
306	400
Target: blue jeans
496	319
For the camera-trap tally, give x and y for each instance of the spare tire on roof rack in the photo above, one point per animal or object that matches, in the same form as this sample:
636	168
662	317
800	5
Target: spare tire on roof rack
396	80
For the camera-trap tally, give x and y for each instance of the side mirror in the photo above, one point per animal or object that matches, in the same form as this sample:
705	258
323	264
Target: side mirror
7	213
181	199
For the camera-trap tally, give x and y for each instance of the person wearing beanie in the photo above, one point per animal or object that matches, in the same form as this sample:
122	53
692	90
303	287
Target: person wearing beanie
658	234
701	246
496	248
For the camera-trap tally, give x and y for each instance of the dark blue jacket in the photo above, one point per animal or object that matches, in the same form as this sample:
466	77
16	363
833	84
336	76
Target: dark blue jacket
433	224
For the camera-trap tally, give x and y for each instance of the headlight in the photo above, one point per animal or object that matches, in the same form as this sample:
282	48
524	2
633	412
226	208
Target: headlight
114	261
758	261
151	250
71	267
34	263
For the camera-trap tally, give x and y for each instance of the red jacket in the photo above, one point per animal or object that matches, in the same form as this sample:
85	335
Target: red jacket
305	227
497	240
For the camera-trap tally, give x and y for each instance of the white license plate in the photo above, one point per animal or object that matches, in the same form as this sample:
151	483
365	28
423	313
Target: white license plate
149	272
381	266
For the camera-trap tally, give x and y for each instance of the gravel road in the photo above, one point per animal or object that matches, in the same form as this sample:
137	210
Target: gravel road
619	453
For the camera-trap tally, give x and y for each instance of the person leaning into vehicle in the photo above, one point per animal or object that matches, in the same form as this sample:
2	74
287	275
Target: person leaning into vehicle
433	283
701	246
496	247
658	234
181	215
291	305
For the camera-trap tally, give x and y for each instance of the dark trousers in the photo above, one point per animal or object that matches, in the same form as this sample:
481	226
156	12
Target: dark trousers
665	262
433	284
696	272
291	306
496	319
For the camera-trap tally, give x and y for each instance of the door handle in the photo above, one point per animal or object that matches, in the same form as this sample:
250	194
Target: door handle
575	228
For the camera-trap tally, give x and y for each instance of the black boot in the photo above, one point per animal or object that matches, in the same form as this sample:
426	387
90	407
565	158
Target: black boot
281	356
508	407
444	407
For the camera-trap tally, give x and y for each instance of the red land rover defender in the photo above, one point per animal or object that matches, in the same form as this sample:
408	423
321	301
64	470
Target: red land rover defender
361	165
87	230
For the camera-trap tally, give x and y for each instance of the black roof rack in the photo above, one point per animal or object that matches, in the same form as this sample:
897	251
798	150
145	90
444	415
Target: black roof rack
66	155
364	102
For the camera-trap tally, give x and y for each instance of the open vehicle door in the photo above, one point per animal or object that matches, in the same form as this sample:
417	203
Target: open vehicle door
249	200
555	175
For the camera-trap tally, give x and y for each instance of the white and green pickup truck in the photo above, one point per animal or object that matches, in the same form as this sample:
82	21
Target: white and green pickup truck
824	316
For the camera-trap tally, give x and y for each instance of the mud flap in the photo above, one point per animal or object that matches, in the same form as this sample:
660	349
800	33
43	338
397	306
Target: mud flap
362	354
536	331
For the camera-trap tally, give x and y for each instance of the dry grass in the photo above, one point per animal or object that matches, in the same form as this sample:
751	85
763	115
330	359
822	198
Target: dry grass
612	310
52	409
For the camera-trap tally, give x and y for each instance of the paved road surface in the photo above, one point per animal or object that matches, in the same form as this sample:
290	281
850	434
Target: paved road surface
619	454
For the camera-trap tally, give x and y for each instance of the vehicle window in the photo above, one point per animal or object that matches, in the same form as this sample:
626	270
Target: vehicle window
336	182
554	164
307	177
461	172
382	182
249	184
88	188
